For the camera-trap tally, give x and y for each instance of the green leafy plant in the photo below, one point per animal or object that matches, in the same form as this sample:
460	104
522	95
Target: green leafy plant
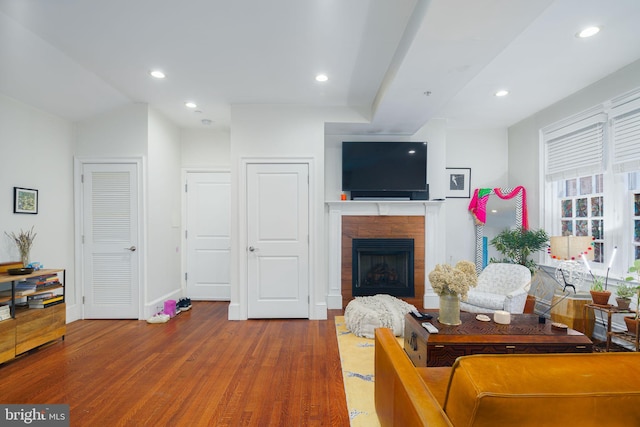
518	244
635	268
597	284
625	291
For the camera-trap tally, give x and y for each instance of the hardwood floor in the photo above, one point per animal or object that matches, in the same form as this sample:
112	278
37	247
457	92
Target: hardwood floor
199	369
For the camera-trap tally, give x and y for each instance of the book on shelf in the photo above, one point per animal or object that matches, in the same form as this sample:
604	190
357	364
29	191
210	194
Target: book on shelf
44	281
42	296
42	303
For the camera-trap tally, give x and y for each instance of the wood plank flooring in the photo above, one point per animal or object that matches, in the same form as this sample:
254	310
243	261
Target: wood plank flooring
199	369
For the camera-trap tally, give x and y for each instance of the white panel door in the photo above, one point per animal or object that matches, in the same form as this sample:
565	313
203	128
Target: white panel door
110	233
208	235
278	240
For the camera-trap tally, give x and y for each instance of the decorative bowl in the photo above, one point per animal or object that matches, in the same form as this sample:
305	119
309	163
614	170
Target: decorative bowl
18	271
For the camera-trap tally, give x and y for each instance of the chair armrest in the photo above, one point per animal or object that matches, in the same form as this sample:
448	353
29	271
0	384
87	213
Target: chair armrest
515	300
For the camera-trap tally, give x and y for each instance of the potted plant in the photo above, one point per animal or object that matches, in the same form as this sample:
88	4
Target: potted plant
517	244
599	295
624	293
632	321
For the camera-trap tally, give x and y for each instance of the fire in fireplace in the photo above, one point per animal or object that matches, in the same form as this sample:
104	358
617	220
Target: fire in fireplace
382	266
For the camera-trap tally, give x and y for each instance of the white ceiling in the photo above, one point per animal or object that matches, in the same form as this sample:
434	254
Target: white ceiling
78	58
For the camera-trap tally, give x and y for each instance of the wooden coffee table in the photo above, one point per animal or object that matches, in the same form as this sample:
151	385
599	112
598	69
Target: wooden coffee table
523	335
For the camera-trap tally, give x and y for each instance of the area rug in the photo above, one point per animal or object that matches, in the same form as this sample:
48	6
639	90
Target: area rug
356	357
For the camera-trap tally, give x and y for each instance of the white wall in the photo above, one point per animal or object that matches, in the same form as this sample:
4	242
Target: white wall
36	149
163	212
202	149
486	153
119	133
135	131
272	132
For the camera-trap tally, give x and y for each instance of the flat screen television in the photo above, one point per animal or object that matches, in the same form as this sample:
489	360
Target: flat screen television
385	169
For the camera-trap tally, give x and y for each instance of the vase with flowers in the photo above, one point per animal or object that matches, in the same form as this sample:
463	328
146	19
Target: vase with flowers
24	241
632	321
452	284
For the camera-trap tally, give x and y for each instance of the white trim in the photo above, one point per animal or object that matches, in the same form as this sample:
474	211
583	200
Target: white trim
76	311
238	308
618	230
183	225
434	228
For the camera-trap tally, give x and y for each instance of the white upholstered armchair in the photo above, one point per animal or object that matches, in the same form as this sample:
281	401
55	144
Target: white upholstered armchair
500	286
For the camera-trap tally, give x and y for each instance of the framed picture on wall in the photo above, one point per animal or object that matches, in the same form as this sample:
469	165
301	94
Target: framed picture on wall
459	185
25	200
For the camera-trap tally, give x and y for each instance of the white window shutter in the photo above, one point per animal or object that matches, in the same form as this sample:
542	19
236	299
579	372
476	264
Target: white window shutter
575	148
625	129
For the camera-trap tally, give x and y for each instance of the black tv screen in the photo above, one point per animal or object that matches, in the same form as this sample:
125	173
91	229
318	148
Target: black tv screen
384	166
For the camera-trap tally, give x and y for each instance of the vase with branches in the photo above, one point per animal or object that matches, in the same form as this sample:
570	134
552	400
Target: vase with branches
24	242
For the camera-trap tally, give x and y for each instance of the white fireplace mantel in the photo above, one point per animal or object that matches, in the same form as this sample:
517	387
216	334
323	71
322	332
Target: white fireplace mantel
433	211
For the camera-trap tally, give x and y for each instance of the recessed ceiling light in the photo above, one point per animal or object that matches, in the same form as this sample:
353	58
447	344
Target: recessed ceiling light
190	104
502	92
412	151
588	32
322	78
157	74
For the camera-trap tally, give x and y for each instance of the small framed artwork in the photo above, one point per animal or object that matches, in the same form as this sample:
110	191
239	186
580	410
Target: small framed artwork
459	185
25	200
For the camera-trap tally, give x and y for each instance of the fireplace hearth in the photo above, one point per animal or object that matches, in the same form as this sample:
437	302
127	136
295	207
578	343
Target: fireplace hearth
383	266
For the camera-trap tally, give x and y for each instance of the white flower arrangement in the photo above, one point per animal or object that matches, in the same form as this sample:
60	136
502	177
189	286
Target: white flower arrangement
457	280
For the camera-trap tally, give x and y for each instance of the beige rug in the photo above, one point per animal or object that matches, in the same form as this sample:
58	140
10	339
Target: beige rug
356	357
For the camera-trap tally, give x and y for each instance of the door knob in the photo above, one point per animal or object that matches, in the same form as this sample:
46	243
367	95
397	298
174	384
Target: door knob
252	249
132	249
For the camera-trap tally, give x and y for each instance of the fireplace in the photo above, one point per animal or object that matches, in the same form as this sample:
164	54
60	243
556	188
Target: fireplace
383	266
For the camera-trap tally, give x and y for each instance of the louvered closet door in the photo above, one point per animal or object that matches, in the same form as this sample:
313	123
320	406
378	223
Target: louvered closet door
110	250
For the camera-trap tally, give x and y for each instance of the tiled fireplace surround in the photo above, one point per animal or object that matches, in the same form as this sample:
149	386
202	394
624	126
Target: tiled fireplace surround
421	221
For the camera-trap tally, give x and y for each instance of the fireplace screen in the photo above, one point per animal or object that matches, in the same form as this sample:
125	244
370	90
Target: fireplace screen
382	266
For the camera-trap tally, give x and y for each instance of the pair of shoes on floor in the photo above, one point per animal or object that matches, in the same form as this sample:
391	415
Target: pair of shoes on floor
159	318
184	304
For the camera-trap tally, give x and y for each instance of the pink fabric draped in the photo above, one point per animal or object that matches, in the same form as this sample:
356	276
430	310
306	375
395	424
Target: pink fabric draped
478	204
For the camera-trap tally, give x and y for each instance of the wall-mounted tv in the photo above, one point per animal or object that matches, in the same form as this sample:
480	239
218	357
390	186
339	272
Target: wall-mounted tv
385	169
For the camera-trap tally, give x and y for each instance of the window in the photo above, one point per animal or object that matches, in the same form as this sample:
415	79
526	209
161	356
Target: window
634	196
581	202
592	180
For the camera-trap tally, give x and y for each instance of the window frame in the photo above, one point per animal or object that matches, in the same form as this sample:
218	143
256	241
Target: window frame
618	229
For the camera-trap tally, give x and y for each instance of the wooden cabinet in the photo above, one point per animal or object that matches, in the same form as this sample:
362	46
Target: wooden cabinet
7	340
29	327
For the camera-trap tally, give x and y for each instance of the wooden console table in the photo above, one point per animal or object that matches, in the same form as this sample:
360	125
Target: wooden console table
523	335
611	310
28	328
